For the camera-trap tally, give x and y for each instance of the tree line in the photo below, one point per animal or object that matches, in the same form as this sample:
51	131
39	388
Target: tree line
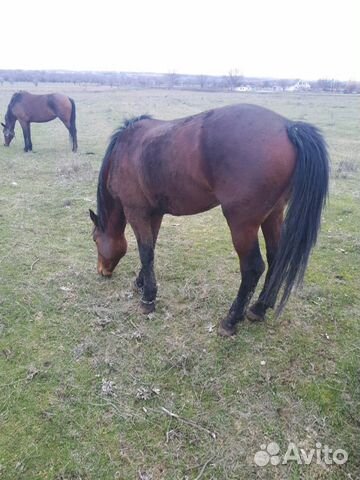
232	81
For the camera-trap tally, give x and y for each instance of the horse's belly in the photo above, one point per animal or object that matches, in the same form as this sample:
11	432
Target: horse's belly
42	118
185	201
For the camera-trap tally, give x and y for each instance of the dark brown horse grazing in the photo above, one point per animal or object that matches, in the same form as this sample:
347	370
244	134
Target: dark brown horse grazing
249	160
28	108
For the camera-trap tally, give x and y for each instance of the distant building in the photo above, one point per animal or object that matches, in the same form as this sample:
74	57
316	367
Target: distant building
278	88
243	88
300	85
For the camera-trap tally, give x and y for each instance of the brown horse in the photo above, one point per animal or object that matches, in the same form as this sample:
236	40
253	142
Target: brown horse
28	108
247	159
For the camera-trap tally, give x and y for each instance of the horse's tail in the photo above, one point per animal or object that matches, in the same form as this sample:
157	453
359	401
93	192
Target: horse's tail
309	190
73	132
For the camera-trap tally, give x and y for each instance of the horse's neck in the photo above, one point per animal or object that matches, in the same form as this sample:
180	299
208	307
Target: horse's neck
116	221
111	213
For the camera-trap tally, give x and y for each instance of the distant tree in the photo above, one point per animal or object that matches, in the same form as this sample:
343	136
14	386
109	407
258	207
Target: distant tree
202	80
172	79
35	79
352	87
266	84
325	84
234	79
284	83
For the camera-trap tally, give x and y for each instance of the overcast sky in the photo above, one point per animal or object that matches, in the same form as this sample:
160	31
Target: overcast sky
306	39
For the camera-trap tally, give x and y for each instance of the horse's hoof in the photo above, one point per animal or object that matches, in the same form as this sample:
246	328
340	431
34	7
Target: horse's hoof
254	317
225	331
147	307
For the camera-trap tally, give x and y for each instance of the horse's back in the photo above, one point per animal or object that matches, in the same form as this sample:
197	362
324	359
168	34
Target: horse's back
230	156
29	107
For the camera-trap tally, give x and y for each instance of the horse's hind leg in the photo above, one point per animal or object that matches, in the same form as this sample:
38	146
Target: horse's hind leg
245	240
155	227
271	228
142	227
72	131
73	136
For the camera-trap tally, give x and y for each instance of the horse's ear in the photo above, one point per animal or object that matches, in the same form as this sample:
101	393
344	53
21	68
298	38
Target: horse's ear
3	124
94	218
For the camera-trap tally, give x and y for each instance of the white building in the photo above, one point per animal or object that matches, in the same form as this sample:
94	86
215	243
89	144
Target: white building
243	88
300	85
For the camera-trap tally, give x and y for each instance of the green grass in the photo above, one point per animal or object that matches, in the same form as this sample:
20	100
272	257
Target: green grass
65	333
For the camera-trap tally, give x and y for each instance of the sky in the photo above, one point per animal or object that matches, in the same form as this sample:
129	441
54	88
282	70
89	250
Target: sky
307	39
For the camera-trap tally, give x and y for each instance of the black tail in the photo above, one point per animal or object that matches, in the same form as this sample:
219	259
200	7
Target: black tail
73	132
302	222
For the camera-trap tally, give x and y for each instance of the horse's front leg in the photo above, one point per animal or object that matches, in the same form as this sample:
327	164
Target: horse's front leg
139	281
27	135
155	222
149	289
146	229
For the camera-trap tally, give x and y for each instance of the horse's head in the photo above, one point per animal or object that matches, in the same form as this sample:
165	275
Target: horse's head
111	247
9	134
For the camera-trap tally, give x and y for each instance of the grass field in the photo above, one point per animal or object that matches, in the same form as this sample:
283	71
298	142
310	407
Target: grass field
88	383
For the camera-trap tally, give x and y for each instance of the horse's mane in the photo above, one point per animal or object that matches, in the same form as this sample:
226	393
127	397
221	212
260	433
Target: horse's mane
14	99
103	196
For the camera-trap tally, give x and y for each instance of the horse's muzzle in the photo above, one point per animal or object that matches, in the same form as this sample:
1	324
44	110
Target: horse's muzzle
103	272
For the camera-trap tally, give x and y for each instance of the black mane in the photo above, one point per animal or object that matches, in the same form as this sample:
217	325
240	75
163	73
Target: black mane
9	116
103	197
